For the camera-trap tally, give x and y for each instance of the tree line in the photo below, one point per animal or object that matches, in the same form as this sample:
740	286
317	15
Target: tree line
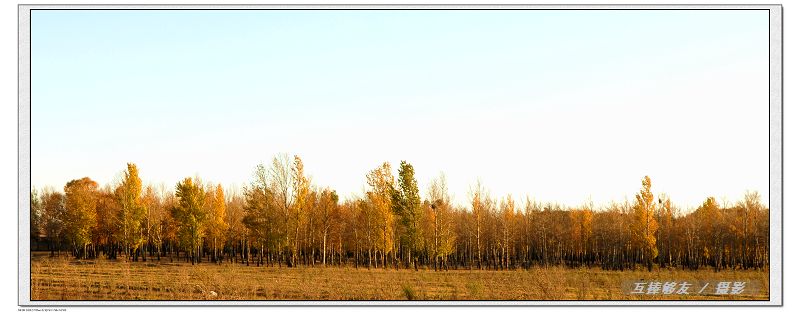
282	219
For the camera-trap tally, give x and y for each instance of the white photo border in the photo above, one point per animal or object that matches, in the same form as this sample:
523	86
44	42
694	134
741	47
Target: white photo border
775	151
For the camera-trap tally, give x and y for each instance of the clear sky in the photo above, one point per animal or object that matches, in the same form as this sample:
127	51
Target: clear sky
565	106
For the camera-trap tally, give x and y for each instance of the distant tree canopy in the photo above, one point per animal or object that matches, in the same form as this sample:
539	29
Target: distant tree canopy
283	218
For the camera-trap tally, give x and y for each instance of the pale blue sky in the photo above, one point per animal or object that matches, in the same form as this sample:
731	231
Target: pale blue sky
561	105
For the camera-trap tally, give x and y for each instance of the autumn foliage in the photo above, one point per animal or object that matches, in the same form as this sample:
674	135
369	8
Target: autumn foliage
283	219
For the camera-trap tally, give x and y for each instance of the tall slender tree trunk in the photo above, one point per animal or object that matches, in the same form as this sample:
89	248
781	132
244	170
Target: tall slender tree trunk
324	247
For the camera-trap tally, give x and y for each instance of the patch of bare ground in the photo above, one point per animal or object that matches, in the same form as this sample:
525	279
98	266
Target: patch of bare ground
68	279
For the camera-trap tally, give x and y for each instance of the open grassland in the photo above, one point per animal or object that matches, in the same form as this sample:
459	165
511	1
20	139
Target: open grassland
69	279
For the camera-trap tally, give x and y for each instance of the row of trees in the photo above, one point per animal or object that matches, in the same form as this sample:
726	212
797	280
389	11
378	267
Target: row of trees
283	219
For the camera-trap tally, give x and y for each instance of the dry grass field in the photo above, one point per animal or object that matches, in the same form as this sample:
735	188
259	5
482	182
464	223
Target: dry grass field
69	279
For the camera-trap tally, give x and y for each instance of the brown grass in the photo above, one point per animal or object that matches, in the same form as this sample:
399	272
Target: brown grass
69	279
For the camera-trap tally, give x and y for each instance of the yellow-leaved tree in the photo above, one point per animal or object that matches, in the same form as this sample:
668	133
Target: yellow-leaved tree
300	203
328	212
381	183
131	212
507	219
439	222
80	214
217	225
482	205
644	224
